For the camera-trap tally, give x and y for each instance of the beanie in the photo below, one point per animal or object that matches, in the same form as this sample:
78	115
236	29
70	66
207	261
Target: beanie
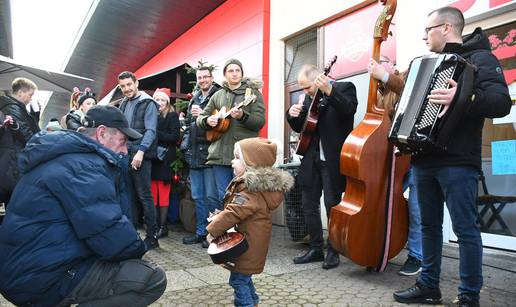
86	95
165	92
232	61
258	152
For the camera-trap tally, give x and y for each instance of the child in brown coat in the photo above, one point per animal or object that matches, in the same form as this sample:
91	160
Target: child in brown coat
256	190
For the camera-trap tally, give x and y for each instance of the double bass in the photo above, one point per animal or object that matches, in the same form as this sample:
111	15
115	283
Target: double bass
370	224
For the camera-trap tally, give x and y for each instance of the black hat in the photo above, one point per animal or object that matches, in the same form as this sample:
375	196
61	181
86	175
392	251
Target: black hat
110	117
232	61
85	96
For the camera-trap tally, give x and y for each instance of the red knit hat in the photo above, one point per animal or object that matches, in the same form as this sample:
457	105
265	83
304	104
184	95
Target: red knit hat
258	152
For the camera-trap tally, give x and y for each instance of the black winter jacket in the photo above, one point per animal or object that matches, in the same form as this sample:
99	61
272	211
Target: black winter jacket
12	141
168	134
194	145
491	100
334	124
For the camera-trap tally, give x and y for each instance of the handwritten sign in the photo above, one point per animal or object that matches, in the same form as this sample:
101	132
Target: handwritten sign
504	157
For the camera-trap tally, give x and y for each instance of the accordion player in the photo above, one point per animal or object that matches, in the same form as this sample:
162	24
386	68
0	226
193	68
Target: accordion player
416	126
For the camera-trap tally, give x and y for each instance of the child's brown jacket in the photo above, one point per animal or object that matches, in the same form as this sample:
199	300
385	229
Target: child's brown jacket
248	203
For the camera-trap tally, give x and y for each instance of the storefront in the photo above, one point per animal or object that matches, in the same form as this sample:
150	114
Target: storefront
274	38
304	33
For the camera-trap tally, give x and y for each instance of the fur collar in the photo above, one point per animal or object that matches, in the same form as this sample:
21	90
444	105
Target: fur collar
267	179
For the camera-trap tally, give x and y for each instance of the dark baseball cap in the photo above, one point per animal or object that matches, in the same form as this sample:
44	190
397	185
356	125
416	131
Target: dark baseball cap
110	117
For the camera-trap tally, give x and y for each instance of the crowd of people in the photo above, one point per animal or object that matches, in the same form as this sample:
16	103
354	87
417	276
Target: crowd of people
81	246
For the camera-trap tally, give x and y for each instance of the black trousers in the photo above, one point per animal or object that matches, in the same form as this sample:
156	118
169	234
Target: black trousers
132	282
311	199
141	190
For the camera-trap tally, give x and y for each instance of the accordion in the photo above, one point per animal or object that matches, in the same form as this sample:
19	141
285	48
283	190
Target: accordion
416	126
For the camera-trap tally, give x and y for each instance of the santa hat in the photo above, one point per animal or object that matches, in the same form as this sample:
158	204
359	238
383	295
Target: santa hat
257	152
164	92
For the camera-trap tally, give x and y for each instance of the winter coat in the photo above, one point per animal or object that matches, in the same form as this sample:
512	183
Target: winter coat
168	134
336	114
220	152
391	92
12	141
144	119
65	213
490	100
194	144
248	204
73	119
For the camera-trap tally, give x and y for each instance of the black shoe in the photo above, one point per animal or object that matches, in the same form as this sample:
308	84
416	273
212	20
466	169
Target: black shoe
313	255
418	294
162	232
193	239
466	301
332	259
411	267
151	242
205	244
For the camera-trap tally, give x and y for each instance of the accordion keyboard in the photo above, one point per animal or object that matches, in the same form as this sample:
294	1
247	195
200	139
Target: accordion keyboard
432	110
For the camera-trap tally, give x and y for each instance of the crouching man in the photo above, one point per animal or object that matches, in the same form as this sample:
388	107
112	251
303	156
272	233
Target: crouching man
66	238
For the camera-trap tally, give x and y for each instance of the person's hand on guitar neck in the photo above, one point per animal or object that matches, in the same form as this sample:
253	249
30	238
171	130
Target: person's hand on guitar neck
236	113
295	110
323	83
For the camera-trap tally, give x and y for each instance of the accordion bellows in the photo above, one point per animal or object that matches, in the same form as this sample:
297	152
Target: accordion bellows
416	126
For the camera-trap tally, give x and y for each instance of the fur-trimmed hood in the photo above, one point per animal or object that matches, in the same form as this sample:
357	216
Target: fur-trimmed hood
246	82
272	183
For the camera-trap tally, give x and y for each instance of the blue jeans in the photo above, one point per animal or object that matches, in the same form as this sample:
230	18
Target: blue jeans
245	293
223	175
458	187
414	234
204	193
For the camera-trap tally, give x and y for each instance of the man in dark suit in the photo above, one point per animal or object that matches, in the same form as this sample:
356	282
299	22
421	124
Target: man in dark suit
320	165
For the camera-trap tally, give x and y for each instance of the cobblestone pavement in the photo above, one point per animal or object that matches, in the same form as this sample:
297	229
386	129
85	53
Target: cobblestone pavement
194	281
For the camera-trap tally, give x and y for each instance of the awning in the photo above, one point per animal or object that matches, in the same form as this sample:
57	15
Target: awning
45	80
177	79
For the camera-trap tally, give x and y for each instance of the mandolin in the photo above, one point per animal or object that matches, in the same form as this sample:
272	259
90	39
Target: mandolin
227	247
225	119
310	124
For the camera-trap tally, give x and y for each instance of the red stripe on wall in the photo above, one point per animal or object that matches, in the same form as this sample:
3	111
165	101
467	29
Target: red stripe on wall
265	62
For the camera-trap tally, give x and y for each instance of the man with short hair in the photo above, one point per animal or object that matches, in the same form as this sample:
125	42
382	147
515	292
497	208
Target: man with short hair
17	135
195	148
141	112
245	122
66	238
451	176
319	168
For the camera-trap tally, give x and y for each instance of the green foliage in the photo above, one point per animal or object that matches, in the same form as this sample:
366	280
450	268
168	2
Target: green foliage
181	105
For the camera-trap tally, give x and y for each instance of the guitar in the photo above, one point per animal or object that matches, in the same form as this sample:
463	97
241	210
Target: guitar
225	119
228	247
312	117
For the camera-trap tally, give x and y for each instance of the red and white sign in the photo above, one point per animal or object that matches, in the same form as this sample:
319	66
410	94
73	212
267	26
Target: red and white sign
351	39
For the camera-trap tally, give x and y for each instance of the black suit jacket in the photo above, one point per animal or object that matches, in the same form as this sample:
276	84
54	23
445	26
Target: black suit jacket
335	122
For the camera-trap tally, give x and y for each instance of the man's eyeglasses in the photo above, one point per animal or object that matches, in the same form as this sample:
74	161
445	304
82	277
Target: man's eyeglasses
430	28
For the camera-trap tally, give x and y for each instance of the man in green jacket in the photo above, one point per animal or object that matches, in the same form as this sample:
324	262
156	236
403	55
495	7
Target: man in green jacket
245	122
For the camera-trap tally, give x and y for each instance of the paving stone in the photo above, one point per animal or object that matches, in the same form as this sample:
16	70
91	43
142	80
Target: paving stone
180	279
193	280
